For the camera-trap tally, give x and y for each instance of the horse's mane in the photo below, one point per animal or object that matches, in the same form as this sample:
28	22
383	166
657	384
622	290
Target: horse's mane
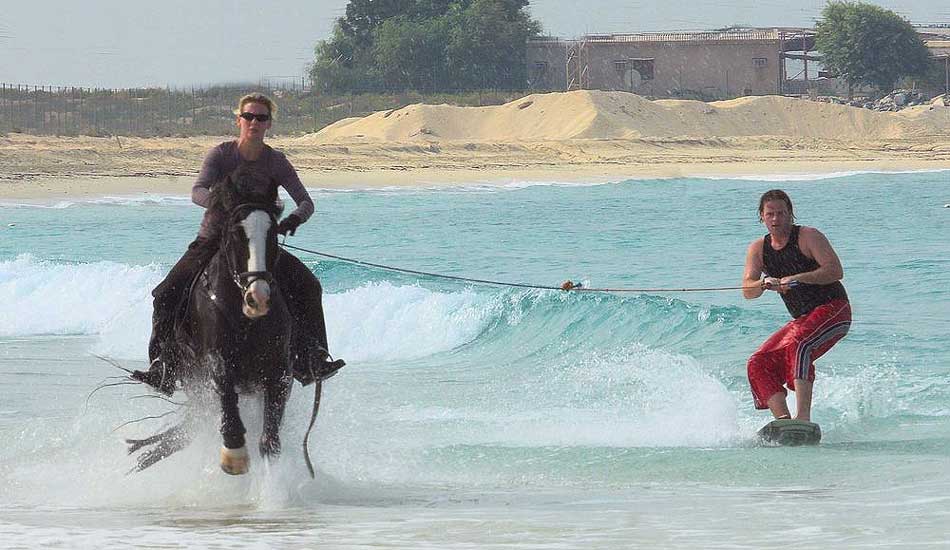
245	185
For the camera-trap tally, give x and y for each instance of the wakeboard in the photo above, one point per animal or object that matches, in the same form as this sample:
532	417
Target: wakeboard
791	432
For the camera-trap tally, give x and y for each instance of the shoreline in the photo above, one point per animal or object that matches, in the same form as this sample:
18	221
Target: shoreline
49	167
52	187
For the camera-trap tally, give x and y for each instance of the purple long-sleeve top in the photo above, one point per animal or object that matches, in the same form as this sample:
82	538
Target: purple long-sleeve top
225	158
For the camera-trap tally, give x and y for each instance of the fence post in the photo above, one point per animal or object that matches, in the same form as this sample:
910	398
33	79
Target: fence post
95	112
62	124
79	119
168	107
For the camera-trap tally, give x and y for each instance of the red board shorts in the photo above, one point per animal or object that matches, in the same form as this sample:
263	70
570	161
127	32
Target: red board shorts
790	353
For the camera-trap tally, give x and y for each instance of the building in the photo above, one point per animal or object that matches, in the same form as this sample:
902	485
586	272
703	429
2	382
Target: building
708	65
700	65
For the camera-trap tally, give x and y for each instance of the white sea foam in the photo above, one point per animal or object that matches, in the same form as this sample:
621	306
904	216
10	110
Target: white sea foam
493	186
487	186
818	176
632	397
107	200
43	297
380	321
373	322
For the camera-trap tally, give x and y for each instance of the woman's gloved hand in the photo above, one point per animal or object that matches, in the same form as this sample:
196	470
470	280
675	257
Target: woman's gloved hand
289	225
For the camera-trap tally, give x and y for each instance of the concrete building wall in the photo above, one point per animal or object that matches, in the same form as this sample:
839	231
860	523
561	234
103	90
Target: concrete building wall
708	70
679	68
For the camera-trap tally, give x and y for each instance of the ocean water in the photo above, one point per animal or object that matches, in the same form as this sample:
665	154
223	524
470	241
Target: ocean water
478	416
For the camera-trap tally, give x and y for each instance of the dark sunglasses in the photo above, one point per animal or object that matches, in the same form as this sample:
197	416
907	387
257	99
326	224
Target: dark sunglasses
251	116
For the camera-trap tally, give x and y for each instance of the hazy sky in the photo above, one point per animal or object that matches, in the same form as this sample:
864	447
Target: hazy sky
123	43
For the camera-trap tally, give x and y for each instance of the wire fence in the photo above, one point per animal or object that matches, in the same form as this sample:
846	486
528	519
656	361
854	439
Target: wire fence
166	112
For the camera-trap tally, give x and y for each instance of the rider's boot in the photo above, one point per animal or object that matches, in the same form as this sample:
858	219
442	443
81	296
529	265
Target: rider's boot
160	374
316	365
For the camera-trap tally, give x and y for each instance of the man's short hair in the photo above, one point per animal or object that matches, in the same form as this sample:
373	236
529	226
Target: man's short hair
776	195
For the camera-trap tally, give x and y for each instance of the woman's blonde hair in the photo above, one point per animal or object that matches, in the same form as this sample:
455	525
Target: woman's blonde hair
257	97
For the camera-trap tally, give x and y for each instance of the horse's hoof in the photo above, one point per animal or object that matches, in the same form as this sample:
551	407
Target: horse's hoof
235	461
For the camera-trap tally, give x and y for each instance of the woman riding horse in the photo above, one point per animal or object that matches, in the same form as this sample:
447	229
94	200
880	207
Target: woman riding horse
300	287
236	333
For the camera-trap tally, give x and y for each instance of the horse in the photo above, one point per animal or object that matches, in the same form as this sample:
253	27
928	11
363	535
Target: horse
234	336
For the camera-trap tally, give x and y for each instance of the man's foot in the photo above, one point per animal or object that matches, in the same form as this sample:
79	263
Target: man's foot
320	370
157	376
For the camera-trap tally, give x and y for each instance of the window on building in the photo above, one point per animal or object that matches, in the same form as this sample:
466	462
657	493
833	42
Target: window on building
644	67
759	62
620	65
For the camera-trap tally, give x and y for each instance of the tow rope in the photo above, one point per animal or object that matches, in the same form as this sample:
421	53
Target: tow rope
565	286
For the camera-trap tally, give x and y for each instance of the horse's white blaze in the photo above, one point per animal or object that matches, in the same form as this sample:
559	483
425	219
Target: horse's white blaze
256	225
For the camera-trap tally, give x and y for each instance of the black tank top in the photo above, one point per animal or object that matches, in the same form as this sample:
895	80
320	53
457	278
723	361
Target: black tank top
803	298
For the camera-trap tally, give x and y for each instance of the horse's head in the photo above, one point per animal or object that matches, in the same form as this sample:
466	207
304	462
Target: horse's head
248	235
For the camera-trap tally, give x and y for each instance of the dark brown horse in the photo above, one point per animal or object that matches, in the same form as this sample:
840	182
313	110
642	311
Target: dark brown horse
234	336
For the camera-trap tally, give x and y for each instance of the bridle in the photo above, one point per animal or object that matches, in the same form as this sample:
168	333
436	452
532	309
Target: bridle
244	279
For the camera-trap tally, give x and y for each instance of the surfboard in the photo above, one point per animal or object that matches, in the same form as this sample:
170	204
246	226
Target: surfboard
791	432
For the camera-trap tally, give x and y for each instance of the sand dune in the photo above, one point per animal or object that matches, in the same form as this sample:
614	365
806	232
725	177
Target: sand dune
620	115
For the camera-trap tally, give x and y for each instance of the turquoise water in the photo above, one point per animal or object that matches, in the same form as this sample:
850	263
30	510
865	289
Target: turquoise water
476	416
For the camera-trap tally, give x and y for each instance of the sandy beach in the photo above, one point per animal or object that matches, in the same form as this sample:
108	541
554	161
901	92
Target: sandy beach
572	136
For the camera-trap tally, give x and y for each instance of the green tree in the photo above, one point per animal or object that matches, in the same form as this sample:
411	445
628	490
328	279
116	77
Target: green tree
342	65
487	48
410	55
363	17
426	45
866	44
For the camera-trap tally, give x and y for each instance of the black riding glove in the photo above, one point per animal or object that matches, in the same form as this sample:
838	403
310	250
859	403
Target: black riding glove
289	225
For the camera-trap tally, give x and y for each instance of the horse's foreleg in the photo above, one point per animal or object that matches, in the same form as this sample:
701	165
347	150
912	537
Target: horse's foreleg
275	402
234	458
232	428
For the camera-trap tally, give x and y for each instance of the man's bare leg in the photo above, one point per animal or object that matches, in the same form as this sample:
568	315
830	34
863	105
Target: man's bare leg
803	399
778	406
